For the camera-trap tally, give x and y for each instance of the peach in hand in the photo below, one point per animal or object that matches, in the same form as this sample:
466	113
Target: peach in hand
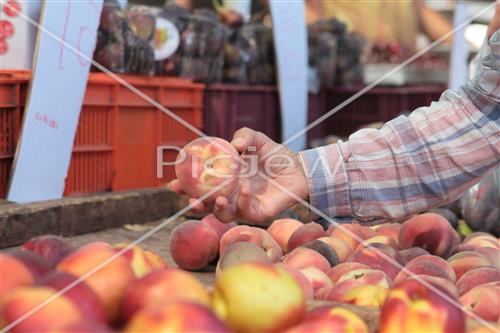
206	163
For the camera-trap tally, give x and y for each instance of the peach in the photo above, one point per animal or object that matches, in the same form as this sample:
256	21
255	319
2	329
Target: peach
156	288
217	225
107	274
326	325
462	262
480	234
331	319
155	261
176	317
412	307
55	314
32	261
193	245
340	289
412	253
243	233
319	281
476	277
270	301
303	257
341	248
335	273
239	253
386	240
390	230
50	247
429	231
141	262
353	234
482	240
304	234
441	284
379	256
368	276
325	250
86	327
301	279
448	214
427	265
205	164
491	254
352	322
83	297
281	230
13	273
484	301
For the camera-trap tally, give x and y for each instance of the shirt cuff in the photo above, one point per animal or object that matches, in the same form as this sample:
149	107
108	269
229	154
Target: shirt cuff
327	180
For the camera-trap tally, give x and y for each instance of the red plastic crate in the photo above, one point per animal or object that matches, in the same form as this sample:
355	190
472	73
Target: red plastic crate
229	107
118	131
378	104
142	128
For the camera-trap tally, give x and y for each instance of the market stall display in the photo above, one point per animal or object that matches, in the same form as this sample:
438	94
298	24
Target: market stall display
295	276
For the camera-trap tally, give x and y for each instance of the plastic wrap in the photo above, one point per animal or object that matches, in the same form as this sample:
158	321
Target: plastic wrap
249	55
481	205
200	55
118	47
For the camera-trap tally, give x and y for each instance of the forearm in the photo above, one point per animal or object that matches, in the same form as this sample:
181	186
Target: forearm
413	163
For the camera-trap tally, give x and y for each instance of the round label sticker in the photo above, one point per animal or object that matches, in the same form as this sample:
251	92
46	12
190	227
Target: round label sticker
166	39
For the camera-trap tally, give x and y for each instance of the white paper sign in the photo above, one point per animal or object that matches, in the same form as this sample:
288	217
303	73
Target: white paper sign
290	39
55	99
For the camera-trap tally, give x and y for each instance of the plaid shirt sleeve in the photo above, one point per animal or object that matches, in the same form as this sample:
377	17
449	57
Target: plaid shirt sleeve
413	163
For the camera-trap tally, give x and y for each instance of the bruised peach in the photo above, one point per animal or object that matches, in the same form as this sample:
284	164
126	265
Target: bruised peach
341	248
193	245
305	234
243	233
325	250
429	231
484	301
411	253
281	230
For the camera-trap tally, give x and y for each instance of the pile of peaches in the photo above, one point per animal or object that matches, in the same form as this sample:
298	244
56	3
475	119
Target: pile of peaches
419	274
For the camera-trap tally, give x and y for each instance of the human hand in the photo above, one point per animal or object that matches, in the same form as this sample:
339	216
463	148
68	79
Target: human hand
258	198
